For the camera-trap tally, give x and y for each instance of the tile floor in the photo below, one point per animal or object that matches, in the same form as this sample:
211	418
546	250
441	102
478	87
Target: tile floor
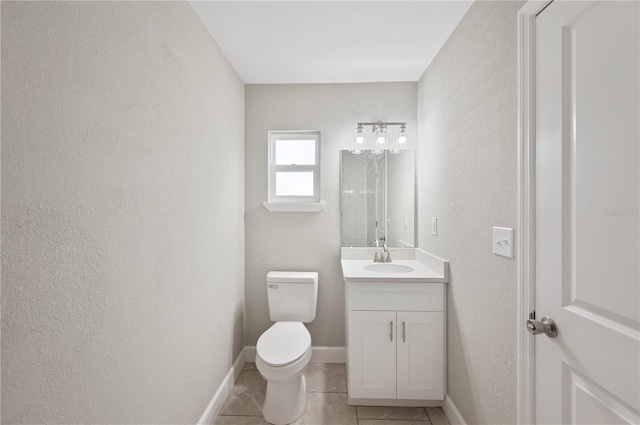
326	402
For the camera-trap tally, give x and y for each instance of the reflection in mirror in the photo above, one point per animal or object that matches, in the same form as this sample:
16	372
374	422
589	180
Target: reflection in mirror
377	198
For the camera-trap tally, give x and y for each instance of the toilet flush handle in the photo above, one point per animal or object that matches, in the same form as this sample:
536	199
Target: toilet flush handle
272	286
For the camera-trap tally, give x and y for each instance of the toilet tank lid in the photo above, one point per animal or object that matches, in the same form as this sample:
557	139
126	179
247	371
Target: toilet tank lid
292	276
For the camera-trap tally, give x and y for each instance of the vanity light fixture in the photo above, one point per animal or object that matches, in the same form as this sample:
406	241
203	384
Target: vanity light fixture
379	130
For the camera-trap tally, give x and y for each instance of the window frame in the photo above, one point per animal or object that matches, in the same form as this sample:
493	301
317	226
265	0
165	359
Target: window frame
273	168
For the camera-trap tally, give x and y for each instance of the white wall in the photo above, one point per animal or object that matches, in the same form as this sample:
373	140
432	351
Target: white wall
308	241
122	213
467	178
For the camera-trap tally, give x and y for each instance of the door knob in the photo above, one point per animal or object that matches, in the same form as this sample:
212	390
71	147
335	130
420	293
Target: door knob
546	325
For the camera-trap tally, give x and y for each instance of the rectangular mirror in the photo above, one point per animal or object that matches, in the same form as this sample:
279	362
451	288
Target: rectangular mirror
377	198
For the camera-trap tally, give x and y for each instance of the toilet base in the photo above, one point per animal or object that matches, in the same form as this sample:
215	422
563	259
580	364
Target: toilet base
285	401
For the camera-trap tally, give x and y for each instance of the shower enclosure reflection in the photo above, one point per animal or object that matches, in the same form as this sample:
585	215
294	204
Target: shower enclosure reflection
377	198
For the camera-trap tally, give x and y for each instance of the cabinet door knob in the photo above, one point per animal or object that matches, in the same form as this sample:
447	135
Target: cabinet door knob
404	332
391	331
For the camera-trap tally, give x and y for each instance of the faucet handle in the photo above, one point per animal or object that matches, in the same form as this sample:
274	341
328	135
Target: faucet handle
376	257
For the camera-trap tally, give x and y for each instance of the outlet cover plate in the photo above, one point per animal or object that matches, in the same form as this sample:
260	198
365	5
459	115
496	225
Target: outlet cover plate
503	241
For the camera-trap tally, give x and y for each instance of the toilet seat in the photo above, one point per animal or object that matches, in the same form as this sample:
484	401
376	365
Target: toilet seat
283	344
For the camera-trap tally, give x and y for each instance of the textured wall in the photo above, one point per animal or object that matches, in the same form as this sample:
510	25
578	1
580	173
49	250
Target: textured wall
467	178
122	213
307	241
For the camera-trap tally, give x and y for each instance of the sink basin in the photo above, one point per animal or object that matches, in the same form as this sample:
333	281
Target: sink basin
388	268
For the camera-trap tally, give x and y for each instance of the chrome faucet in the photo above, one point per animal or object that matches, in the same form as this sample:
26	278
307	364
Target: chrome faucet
386	255
377	257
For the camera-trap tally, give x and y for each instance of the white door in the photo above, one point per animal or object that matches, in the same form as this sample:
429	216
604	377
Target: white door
372	354
420	355
587	224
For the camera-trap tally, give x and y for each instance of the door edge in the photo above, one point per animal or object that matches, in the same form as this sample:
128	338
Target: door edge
526	208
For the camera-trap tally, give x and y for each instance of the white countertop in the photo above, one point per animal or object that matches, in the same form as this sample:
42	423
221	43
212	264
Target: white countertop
354	271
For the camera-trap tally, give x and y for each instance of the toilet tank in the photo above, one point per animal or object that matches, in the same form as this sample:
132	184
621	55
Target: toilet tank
292	296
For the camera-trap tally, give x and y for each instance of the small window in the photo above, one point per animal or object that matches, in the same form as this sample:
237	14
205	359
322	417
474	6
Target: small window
294	169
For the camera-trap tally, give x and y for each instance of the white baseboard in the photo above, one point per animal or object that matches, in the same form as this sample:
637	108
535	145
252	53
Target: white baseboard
451	411
328	355
318	354
217	401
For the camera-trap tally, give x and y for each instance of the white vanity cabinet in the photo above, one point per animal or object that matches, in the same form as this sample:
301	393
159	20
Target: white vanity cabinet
395	342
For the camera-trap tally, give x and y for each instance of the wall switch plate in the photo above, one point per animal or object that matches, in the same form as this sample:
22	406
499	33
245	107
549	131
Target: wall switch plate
503	241
434	226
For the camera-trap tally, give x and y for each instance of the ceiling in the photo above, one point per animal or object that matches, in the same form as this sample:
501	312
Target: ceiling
273	42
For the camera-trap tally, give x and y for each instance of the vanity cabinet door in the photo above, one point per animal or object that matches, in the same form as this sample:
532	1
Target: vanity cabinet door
420	355
372	354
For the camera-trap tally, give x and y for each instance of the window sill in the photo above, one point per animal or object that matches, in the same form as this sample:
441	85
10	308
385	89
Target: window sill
294	206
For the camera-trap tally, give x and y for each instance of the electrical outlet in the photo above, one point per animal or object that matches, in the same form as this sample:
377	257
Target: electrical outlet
434	226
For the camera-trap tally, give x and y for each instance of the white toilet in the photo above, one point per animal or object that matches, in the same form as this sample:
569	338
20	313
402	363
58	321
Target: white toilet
284	349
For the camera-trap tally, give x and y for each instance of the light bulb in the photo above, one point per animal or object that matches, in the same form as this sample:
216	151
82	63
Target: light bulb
360	136
380	131
402	136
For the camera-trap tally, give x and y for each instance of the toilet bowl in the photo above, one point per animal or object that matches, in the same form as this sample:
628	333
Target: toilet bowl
284	349
282	353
